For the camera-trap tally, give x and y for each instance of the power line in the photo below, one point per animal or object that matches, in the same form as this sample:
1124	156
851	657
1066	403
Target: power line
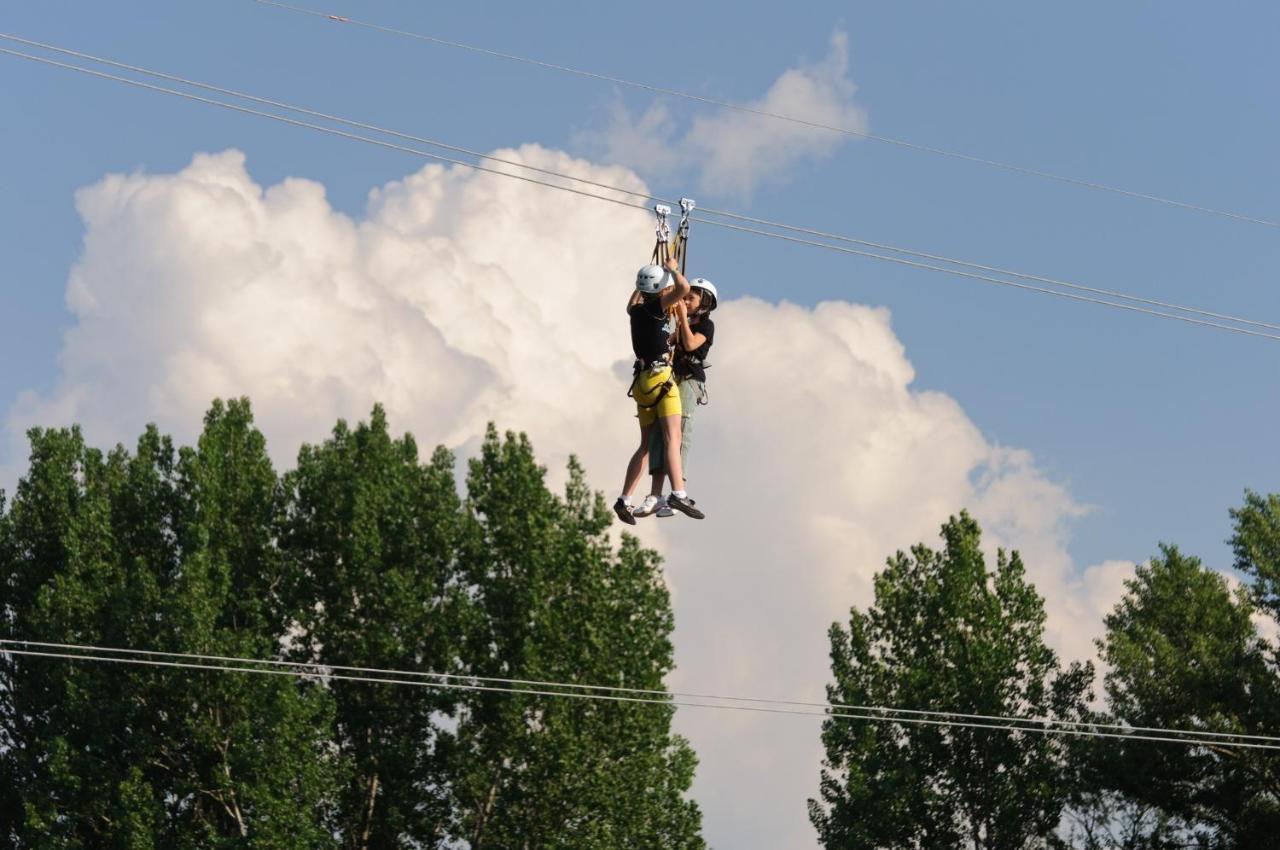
737	107
306	125
711	222
615	693
644	196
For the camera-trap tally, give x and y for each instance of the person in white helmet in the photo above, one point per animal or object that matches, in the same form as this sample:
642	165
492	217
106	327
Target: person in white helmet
694	334
651	308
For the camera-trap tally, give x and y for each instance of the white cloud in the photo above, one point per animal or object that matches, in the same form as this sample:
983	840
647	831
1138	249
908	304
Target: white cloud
732	151
456	300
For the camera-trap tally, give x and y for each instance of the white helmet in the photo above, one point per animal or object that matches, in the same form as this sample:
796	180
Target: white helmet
652	279
708	292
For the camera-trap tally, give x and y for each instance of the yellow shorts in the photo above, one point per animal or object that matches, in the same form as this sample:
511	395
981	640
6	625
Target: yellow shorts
645	389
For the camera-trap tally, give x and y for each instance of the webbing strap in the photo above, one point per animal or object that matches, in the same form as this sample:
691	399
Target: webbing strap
662	245
682	232
662	393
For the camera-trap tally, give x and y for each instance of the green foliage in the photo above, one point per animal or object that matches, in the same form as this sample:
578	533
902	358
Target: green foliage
1184	653
1256	543
1109	821
362	556
164	551
945	633
371	536
554	602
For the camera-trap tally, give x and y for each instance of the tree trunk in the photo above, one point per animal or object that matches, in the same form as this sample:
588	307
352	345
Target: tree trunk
368	815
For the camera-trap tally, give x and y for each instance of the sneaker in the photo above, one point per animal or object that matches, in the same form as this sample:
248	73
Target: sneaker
685	506
650	504
664	510
623	510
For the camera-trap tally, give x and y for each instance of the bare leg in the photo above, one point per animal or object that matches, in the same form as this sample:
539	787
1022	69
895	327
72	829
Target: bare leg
671	432
638	462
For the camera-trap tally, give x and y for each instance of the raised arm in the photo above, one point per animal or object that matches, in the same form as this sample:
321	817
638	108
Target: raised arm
674	293
690	340
636	298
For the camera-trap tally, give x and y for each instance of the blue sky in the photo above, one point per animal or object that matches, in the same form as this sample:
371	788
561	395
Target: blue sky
1156	425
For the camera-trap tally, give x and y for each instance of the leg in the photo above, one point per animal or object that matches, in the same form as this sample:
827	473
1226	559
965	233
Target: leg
678	500
671	433
657	460
636	467
690	390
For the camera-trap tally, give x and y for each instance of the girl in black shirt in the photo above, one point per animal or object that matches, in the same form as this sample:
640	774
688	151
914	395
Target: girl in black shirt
693	337
653	387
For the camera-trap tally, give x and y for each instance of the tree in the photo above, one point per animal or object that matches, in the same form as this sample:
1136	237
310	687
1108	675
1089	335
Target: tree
168	552
1184	654
363	556
1256	543
946	634
370	535
1105	820
554	602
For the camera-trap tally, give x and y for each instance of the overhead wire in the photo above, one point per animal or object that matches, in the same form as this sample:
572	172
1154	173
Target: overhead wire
641	691
765	113
1189	319
320	671
874	713
632	193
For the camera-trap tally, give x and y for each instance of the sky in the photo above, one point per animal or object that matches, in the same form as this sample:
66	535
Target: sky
157	253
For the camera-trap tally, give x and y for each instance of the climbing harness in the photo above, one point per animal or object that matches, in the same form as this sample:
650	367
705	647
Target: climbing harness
666	387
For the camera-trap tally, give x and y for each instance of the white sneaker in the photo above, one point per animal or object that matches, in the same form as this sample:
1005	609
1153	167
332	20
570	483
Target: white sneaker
663	509
649	505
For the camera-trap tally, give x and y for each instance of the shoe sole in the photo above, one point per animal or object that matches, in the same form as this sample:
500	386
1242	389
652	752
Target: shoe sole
624	515
688	510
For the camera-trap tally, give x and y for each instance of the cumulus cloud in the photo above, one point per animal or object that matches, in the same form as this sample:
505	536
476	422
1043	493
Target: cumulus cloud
455	300
734	151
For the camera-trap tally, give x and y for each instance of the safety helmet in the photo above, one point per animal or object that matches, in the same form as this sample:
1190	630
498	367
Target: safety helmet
708	292
652	279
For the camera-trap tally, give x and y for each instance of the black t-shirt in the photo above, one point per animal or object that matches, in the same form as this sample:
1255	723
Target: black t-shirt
691	364
650	331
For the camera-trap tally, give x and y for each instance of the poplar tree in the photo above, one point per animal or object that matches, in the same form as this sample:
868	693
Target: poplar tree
171	552
555	602
946	634
364	556
1256	544
1184	653
370	535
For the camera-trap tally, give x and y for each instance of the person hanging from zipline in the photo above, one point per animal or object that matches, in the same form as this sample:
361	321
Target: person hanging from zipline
692	340
651	309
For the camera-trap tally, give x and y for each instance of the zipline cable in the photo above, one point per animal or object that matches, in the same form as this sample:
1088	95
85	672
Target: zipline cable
617	698
309	126
708	210
321	670
764	113
711	222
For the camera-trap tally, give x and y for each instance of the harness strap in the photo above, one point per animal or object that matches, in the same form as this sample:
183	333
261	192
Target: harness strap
682	232
665	388
662	245
662	393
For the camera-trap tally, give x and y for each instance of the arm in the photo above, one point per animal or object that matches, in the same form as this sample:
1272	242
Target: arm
672	294
636	297
690	340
